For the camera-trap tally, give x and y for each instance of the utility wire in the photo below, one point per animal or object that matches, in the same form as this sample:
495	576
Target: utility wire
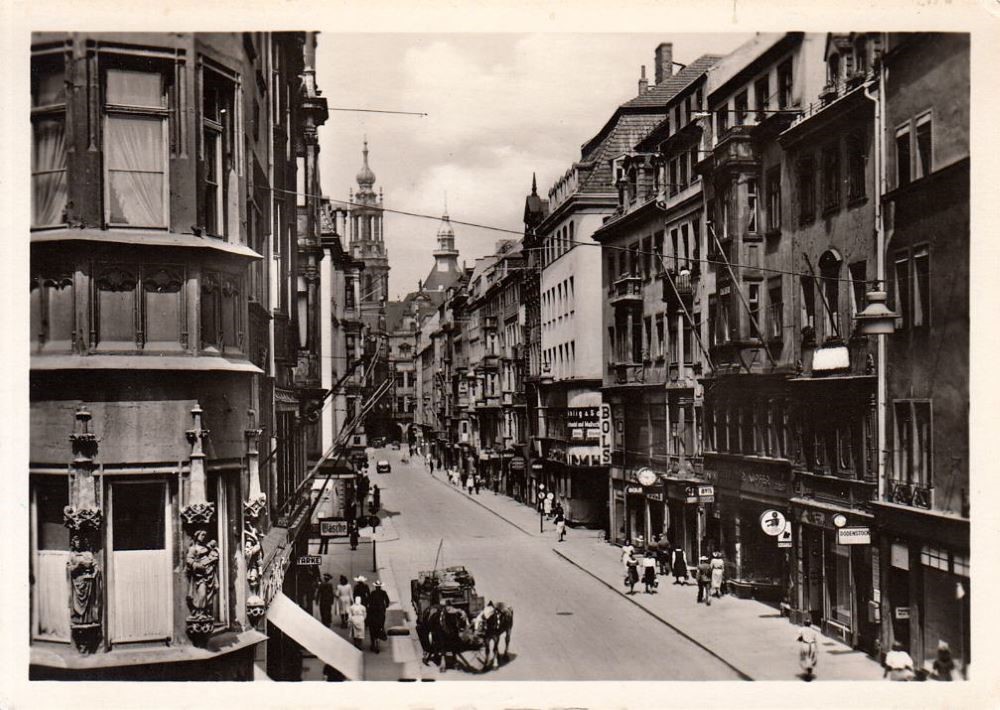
376	110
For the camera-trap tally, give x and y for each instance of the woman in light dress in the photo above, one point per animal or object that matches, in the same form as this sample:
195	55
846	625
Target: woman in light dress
718	568
358	614
342	601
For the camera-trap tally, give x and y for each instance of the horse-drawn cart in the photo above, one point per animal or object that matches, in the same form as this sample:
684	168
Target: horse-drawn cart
453	586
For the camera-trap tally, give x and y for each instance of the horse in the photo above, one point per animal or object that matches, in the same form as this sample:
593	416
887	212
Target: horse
492	627
445	631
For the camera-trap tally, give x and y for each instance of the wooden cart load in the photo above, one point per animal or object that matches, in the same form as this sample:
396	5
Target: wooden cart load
452	585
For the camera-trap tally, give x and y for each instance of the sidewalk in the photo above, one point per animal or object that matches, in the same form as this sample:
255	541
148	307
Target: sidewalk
749	636
399	658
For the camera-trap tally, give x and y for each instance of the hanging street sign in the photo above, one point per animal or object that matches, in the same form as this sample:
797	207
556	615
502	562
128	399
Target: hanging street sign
785	537
772	522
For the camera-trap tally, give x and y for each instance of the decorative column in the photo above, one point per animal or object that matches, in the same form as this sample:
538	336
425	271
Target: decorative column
252	508
202	559
83	518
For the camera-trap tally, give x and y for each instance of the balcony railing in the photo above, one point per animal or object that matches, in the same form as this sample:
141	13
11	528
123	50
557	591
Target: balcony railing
678	284
626	291
490	323
910	494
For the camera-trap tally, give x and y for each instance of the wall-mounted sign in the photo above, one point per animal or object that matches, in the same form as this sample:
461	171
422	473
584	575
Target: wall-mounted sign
333	528
655	496
635	490
310	561
901	612
699	494
517	463
582	423
854	536
785	537
772	522
605	434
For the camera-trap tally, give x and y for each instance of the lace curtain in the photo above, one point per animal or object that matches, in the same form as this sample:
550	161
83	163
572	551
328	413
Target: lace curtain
134	154
48	172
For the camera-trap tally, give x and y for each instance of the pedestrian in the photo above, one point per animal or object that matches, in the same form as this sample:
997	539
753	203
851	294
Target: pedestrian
308	581
547	506
718	568
704	579
343	600
944	664
653	548
324	544
680	567
663	556
325	597
376	499
649	573
627	550
353	525
378	603
361	589
476	482
557	509
470	483
898	664
357	614
631	573
808	649
561	527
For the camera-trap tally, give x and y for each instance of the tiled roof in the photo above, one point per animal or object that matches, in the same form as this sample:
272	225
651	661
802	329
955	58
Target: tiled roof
440	280
659	94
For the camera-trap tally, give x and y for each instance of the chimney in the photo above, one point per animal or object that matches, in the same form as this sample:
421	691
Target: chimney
643	84
664	61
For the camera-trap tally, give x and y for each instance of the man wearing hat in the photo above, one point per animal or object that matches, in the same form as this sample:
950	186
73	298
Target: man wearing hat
361	589
378	603
325	595
704	577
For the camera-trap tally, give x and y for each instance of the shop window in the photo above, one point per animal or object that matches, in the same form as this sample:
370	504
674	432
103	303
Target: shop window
935	557
48	144
961	565
136	144
839	583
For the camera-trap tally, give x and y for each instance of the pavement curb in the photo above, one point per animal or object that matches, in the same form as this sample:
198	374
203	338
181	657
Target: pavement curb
744	675
482	505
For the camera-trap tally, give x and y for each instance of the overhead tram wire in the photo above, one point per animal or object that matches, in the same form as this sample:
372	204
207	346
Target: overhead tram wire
524	250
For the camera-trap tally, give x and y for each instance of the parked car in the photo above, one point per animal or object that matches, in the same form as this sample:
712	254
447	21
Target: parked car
383	467
394	446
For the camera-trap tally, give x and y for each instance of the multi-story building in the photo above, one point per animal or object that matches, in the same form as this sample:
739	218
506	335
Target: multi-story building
829	226
923	511
653	316
164	265
753	94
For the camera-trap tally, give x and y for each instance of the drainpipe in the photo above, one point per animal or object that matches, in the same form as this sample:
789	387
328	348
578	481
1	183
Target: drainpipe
879	100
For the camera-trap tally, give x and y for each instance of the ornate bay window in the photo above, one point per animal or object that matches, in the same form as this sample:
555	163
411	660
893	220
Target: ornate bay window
218	148
136	145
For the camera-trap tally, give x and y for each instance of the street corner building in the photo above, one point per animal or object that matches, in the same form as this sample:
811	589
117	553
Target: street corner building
177	262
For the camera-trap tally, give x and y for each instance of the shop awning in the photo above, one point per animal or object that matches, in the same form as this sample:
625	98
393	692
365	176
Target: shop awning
309	633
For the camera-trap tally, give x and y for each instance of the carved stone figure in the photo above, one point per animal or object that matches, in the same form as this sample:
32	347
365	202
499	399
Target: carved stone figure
202	562
84	595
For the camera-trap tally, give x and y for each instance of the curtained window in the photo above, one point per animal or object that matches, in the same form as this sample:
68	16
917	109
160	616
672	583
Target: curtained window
48	154
135	148
218	148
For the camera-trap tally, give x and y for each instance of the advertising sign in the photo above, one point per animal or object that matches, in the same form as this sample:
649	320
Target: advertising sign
785	538
333	527
772	522
583	423
699	494
854	536
517	463
605	434
310	561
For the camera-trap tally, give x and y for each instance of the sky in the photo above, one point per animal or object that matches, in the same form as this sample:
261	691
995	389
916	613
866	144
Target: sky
500	107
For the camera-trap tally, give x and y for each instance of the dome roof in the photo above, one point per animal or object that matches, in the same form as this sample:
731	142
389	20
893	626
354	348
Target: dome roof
445	230
365	176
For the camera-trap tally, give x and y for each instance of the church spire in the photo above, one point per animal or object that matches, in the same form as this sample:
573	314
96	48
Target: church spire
534	184
365	176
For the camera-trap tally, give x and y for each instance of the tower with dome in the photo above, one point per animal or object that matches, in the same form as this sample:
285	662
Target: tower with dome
367	243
